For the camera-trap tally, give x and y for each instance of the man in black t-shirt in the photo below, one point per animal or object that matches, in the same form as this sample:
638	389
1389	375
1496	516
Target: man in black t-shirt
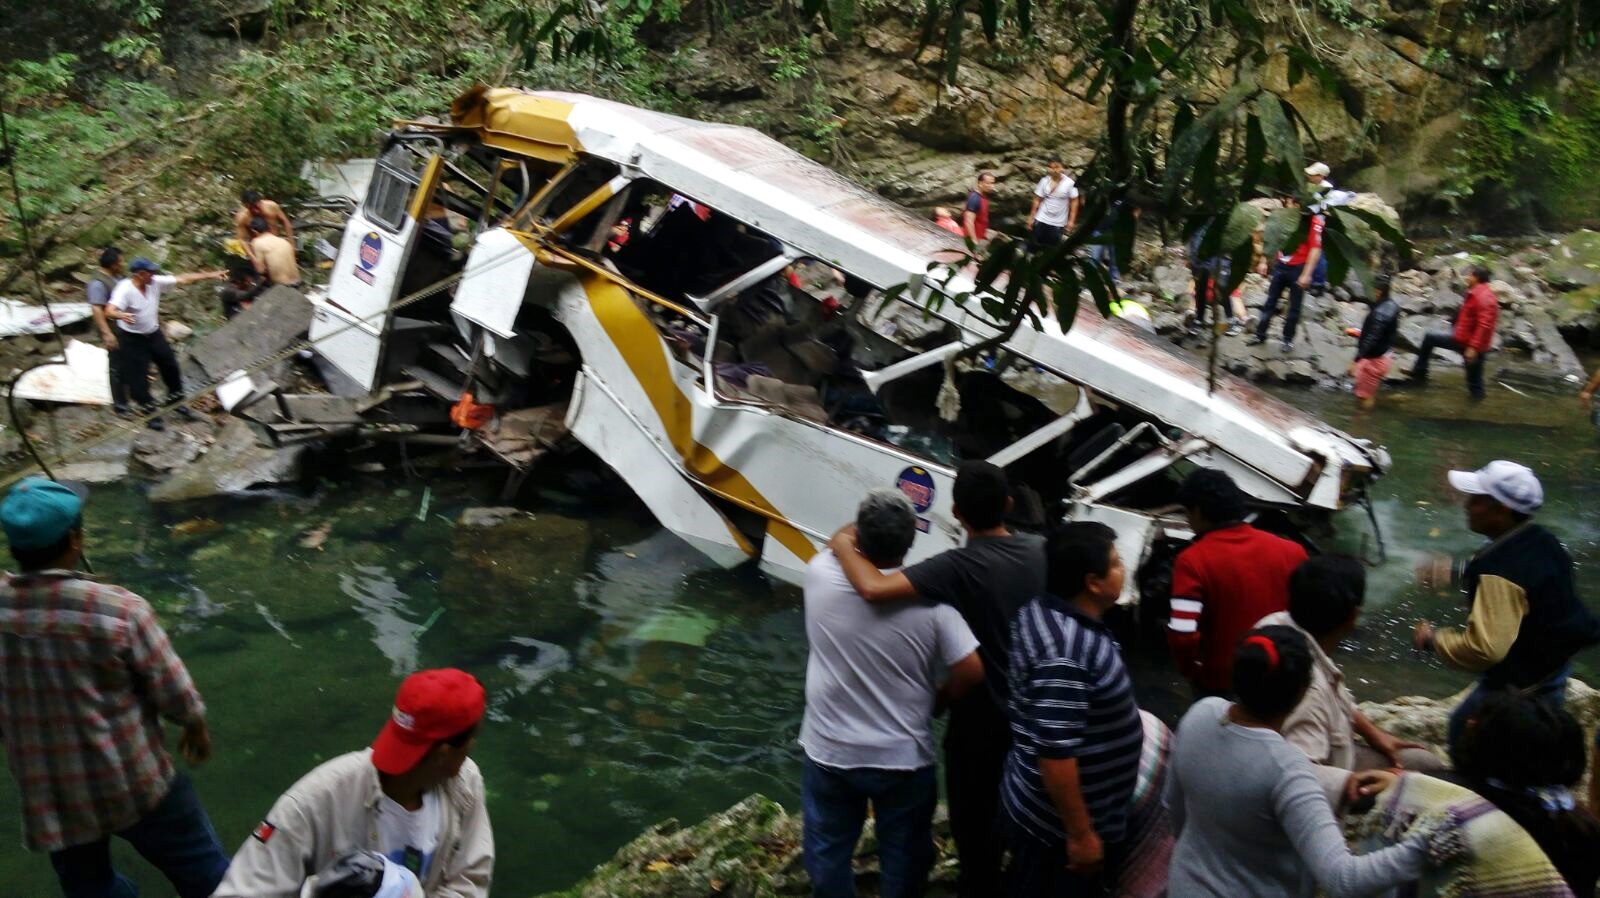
987	580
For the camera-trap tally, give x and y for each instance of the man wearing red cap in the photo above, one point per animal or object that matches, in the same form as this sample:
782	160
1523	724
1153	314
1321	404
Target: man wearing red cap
414	797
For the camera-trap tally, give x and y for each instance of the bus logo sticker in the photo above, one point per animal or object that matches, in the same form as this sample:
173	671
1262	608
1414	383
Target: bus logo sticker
917	485
367	257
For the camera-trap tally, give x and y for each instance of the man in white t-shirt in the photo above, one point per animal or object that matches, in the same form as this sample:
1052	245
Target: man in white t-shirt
872	688
135	305
415	797
1055	207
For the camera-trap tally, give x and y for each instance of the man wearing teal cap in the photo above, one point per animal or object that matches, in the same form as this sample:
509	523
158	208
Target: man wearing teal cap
86	675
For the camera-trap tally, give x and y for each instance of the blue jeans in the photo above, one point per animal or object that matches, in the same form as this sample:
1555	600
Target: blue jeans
1106	255
835	808
1552	690
1283	277
176	838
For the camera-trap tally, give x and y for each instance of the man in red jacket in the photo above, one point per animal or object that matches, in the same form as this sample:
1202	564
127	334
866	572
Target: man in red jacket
1472	336
1230	572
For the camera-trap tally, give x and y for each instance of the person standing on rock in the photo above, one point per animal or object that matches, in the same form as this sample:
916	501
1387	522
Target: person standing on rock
1472	335
1055	207
975	217
136	306
253	205
274	256
1076	731
86	678
98	293
1375	347
1292	271
1525	620
1231	576
415	797
988	579
1325	598
872	689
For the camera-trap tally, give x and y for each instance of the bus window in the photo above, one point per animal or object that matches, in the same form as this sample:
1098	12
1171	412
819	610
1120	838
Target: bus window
394	179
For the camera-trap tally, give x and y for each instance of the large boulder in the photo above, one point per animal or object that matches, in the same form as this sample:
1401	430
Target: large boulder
233	463
1424	720
1574	261
276	320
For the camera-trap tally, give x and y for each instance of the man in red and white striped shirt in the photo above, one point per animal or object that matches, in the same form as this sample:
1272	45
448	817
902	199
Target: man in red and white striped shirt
86	677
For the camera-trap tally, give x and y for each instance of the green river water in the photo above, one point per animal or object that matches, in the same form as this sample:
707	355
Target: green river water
629	679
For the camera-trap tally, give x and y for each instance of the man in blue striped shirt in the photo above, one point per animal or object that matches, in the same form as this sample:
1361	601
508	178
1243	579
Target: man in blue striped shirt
1076	732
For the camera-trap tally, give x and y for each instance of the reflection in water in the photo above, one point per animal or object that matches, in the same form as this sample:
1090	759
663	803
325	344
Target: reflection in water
379	600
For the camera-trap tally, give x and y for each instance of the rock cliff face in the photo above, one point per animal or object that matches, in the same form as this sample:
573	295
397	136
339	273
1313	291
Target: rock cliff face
1405	71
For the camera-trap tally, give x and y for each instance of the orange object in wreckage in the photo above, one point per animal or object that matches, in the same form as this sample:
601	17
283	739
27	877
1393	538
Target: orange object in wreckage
469	414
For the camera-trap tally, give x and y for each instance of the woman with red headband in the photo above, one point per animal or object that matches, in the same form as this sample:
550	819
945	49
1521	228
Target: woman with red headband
1250	816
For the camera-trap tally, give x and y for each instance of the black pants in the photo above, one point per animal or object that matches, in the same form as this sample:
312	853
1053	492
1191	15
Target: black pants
1039	869
975	748
137	350
119	389
1283	277
1444	339
1044	236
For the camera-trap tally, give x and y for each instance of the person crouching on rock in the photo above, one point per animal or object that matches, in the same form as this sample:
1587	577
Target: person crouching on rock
1248	810
1375	348
136	307
415	797
1325	598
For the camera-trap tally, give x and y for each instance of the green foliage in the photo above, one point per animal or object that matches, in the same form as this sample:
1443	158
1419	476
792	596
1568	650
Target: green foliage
1530	153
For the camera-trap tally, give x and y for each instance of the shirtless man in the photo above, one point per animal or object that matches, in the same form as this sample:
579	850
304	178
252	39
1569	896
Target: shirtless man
273	255
253	205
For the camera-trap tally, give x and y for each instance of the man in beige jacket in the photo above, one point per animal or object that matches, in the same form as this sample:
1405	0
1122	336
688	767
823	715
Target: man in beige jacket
414	797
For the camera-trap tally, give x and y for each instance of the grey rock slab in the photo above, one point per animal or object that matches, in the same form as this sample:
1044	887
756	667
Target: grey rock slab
278	318
234	463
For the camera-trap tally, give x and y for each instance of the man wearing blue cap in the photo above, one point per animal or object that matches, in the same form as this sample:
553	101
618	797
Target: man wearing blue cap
1525	620
86	676
136	306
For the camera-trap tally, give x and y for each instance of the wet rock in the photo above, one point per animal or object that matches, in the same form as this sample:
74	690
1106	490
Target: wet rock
525	568
176	331
488	517
234	463
1173	281
155	453
1424	719
1575	261
92	471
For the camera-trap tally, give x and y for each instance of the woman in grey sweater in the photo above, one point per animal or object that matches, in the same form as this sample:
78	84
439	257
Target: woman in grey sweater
1250	816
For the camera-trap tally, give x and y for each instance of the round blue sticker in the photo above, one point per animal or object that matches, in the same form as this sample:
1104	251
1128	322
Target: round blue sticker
917	484
371	250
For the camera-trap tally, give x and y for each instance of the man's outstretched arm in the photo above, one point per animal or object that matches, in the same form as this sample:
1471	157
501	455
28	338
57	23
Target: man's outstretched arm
869	582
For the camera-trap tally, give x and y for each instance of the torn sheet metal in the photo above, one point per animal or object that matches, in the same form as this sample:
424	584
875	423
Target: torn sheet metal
18	317
81	377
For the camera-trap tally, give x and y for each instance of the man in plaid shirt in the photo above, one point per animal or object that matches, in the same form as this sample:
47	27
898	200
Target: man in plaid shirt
86	676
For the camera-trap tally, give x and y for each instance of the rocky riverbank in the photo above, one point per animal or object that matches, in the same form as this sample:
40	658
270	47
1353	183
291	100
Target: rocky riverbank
752	850
1549	291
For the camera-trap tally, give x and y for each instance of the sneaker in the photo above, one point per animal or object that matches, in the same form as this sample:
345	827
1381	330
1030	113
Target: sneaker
156	424
122	410
1255	340
1286	346
1235	329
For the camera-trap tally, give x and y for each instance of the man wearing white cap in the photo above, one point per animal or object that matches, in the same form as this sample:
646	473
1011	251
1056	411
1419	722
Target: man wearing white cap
1526	621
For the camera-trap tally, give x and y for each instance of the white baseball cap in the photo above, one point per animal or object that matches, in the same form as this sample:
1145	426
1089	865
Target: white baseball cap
1506	482
1318	168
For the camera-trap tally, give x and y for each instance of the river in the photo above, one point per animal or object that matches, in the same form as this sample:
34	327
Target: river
630	680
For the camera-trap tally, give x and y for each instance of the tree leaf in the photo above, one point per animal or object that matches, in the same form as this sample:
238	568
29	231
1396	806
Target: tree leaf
1282	139
1385	229
1283	226
989	15
1346	257
1255	156
1241	226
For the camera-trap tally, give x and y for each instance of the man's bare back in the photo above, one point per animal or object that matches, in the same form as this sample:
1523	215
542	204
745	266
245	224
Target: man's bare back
275	258
270	212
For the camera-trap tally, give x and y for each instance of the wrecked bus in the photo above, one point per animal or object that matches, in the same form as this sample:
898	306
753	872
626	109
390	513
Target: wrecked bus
702	308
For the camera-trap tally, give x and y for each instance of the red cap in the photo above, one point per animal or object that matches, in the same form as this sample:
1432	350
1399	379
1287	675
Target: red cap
431	706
